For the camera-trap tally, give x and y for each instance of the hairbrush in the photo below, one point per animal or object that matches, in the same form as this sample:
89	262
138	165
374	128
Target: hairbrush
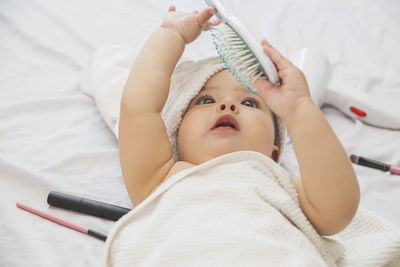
238	49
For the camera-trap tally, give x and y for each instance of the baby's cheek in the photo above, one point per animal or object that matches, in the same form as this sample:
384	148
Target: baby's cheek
264	127
264	120
187	131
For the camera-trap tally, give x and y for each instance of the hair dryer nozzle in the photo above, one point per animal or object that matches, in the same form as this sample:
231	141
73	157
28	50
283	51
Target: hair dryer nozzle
316	68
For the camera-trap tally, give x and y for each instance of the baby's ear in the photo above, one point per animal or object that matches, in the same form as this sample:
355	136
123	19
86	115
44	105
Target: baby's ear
275	153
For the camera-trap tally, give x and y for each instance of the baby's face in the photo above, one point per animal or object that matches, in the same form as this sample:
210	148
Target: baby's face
225	117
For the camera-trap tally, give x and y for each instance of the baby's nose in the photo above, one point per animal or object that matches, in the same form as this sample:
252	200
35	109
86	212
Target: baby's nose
228	106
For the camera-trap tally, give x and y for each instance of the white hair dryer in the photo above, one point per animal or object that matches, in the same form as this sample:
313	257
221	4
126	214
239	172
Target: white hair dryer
351	101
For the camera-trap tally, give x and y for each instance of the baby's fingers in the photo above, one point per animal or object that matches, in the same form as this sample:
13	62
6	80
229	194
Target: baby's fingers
203	17
276	57
215	22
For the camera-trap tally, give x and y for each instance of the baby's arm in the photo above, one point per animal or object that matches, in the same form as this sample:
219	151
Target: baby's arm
145	151
328	190
328	182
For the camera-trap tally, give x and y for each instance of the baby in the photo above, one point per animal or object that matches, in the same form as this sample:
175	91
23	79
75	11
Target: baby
225	117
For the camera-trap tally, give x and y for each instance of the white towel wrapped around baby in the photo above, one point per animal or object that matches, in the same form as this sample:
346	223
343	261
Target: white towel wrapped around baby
240	209
230	211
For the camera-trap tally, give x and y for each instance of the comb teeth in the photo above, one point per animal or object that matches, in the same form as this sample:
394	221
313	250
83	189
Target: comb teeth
236	56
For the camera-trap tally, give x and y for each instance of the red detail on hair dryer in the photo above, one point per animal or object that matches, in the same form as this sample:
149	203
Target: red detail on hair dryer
358	112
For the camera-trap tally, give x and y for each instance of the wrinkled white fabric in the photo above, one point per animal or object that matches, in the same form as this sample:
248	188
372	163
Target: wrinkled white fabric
240	209
52	136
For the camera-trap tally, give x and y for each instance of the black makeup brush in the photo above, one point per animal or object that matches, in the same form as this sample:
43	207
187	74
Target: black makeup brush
374	164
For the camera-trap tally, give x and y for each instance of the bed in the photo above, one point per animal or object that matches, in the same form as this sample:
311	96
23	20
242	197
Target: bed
53	138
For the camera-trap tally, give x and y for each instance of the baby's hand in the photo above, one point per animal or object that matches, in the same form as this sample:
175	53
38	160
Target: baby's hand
284	98
189	25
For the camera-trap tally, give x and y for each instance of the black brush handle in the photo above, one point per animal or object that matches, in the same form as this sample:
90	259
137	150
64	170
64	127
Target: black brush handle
373	164
97	235
87	206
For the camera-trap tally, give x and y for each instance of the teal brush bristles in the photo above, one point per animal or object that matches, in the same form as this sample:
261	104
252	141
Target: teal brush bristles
236	56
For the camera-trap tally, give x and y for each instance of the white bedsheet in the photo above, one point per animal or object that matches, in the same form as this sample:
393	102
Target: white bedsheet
53	138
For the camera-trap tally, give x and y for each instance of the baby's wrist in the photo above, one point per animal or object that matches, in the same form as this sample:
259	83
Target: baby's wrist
173	32
302	111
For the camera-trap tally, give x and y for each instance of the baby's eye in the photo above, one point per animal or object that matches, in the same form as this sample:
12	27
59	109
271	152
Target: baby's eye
250	102
204	100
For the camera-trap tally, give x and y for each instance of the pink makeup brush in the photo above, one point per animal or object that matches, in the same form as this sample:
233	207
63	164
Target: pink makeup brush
63	222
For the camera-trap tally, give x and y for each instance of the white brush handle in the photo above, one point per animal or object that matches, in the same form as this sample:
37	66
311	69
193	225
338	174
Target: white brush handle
357	104
248	38
221	11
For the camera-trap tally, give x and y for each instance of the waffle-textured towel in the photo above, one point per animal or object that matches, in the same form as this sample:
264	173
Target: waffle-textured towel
240	209
106	73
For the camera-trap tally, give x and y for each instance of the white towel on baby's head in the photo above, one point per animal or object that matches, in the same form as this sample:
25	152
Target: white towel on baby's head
105	76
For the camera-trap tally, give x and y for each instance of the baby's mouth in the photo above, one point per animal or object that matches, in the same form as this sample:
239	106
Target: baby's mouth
226	122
